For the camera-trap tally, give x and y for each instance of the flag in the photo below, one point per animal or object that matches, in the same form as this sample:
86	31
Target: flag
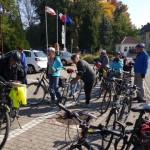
69	20
62	17
50	11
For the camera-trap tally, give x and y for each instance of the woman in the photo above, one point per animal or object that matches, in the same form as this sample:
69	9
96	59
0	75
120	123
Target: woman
117	64
53	72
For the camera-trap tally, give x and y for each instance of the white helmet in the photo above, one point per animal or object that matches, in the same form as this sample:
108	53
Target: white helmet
51	49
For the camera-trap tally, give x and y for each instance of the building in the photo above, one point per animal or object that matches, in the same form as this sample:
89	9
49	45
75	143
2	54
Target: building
145	35
126	44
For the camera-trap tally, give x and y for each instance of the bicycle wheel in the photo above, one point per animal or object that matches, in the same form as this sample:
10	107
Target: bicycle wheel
4	127
110	124
35	93
124	112
106	101
78	91
120	144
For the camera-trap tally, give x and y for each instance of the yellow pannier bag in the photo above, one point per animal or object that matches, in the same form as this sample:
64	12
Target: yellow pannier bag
18	95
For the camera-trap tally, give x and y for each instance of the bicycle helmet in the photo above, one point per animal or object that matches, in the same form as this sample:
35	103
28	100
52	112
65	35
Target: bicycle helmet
16	56
140	45
117	53
51	49
103	52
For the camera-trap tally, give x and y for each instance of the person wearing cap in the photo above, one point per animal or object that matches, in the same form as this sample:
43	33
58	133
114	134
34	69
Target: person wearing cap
23	63
86	74
53	72
104	60
140	70
117	64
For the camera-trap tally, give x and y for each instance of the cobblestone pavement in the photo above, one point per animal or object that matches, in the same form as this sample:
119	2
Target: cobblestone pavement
41	130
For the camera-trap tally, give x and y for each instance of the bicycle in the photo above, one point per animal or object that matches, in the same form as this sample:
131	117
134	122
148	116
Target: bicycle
36	91
119	112
71	90
86	129
135	138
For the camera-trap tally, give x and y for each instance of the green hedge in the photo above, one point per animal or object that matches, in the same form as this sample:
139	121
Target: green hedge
89	58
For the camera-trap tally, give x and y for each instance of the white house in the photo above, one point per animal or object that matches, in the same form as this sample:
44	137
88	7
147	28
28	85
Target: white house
128	43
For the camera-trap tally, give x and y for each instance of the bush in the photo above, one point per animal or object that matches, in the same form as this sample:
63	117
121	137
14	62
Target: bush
89	58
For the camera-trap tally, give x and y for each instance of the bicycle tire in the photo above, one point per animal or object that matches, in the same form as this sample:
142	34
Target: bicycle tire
124	112
4	127
121	146
35	93
75	147
106	101
77	94
110	124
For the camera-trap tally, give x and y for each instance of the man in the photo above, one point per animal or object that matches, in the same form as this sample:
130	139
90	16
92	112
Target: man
85	73
104	60
23	62
140	70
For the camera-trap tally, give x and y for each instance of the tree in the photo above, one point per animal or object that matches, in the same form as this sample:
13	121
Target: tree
106	33
13	34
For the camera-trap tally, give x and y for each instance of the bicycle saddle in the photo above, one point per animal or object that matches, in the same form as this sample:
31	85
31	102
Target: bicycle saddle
142	108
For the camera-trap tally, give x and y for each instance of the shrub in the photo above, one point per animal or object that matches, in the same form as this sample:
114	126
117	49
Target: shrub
89	58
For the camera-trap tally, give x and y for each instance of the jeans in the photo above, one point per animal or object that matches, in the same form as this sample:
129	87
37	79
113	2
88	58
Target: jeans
54	87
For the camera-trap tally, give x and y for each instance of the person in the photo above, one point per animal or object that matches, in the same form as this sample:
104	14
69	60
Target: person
53	72
11	69
56	46
23	62
85	73
127	66
140	70
117	64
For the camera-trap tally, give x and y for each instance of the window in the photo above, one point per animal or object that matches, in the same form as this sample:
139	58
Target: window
39	54
28	54
125	49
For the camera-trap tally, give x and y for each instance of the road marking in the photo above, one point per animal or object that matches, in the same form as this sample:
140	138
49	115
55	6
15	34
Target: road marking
31	124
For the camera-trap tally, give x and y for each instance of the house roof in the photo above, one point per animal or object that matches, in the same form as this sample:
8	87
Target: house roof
128	40
145	28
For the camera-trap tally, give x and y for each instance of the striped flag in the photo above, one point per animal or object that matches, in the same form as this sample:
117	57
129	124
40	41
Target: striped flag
50	11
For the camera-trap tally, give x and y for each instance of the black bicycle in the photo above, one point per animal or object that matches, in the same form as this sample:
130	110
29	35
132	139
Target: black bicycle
4	117
36	91
87	129
137	138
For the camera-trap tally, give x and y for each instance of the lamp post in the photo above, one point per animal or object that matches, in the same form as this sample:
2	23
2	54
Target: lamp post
71	44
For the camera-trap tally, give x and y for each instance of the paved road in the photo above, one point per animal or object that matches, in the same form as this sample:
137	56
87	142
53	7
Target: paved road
41	130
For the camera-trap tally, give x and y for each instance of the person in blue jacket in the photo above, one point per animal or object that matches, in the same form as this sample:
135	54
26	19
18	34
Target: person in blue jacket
140	70
53	72
117	64
23	63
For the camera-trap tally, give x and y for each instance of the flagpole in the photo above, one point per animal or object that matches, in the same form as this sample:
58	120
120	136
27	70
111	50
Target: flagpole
46	29
57	26
65	33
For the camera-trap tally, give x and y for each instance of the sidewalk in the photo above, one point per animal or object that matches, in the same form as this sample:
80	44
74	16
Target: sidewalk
41	131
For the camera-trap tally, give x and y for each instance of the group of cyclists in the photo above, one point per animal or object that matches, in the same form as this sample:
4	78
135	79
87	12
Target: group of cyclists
15	68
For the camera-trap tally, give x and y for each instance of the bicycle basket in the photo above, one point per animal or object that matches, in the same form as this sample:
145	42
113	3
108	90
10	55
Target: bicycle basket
62	81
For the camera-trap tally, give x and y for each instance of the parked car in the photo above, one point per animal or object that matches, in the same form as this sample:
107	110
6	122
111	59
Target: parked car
36	60
65	57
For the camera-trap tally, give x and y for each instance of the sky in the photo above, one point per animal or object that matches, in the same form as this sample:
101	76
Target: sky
139	11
